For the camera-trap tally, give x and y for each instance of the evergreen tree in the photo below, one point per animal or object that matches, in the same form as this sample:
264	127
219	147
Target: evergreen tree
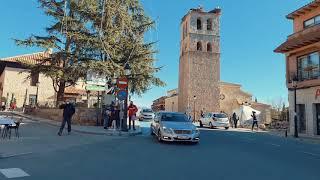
95	35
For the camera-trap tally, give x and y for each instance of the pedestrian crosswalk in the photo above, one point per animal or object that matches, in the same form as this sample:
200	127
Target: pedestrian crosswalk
13	173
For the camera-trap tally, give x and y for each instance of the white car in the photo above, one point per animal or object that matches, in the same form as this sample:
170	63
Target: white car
146	114
172	126
215	120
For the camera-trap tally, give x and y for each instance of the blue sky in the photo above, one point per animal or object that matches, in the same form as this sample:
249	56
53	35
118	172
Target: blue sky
250	30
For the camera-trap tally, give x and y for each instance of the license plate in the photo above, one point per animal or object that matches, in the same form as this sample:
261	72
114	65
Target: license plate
183	137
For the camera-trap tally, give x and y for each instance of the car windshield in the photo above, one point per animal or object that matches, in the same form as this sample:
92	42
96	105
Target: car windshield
147	111
220	116
174	118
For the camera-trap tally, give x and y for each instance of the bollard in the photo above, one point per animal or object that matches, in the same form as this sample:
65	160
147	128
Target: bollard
286	133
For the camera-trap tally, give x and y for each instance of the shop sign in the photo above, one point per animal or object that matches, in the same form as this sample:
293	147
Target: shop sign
317	93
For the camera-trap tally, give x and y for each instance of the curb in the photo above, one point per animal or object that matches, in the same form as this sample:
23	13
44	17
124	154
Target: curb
4	156
116	133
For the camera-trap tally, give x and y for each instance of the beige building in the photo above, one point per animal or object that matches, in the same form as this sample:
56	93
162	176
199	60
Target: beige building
171	102
302	57
17	84
199	66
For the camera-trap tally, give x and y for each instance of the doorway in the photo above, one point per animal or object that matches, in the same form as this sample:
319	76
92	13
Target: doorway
318	118
302	123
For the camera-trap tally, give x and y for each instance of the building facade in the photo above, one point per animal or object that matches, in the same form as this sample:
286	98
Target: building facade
171	102
302	52
199	66
18	85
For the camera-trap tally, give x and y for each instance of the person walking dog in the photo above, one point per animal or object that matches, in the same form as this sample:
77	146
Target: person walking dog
132	114
68	112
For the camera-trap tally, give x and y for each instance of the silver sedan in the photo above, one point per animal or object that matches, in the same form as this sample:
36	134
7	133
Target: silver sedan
171	126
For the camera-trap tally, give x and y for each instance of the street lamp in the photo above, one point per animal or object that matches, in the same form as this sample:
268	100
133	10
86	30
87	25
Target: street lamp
294	85
127	72
194	108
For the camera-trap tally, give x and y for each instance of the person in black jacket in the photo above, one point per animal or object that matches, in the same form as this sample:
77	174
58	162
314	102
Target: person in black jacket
68	111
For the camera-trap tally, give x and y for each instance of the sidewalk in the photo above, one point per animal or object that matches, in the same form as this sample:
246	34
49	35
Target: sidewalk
95	130
303	138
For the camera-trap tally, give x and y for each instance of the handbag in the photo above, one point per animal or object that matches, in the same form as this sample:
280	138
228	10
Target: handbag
133	117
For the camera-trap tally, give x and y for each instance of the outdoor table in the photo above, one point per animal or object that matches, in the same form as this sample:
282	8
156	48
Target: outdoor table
6	121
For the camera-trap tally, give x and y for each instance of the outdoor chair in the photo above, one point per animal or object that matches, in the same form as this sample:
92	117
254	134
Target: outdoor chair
5	131
15	128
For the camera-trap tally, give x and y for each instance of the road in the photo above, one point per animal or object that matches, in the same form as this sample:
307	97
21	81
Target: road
220	155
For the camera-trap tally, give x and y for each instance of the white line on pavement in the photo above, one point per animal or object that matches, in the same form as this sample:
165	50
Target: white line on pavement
312	154
277	145
13	173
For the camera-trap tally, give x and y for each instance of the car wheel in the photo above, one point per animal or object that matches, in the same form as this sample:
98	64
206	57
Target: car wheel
226	128
201	125
159	136
210	125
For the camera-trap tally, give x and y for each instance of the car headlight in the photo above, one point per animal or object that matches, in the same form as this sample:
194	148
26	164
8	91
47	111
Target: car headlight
195	131
167	130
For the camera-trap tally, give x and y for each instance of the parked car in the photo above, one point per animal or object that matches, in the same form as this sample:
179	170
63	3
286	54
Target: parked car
146	114
172	126
215	120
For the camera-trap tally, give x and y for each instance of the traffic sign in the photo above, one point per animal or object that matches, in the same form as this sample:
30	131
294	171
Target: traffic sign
122	95
122	83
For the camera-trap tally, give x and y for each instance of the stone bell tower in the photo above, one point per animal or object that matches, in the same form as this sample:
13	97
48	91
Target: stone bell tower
199	66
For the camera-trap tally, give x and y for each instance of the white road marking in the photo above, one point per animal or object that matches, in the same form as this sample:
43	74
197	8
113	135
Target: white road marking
277	145
312	154
13	173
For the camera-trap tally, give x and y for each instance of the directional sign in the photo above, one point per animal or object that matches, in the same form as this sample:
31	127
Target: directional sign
122	95
122	83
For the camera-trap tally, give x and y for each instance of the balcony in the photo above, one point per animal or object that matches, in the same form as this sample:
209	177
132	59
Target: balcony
300	39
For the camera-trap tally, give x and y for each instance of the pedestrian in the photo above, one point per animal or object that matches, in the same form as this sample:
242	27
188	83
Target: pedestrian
107	117
68	111
254	120
202	113
132	114
235	120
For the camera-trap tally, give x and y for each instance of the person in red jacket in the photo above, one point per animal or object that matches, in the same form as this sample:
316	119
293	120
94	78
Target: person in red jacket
132	109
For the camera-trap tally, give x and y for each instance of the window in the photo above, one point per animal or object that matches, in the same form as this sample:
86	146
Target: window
308	66
209	24
312	21
199	46
34	78
209	47
199	24
32	99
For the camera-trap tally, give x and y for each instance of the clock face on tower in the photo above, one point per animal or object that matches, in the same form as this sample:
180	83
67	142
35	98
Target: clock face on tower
222	96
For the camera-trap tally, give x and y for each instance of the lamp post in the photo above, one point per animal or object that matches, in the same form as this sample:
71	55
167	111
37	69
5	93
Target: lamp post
127	73
294	85
194	108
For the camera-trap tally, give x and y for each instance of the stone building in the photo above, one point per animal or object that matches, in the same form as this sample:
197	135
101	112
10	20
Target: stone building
15	84
159	104
302	56
199	66
171	102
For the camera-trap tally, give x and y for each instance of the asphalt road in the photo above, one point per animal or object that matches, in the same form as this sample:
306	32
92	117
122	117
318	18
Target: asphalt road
221	155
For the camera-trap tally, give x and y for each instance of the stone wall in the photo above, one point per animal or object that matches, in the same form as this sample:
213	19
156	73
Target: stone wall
83	116
15	81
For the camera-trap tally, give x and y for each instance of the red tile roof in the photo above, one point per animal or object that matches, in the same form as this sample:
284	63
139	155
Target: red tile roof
312	5
34	58
300	39
73	90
